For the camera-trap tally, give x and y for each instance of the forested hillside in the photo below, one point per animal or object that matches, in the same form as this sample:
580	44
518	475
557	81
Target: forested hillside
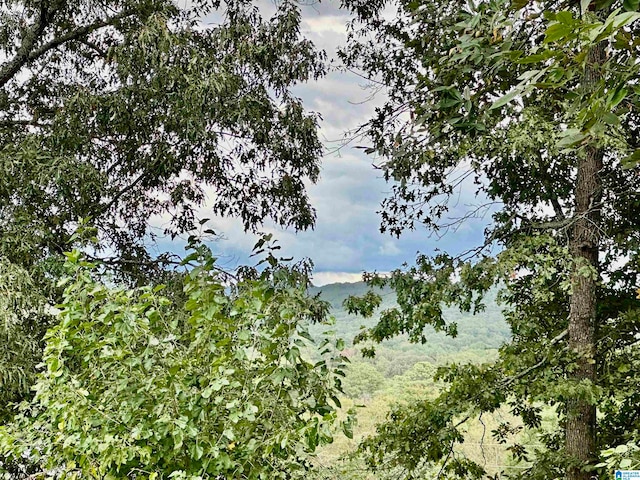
486	330
402	372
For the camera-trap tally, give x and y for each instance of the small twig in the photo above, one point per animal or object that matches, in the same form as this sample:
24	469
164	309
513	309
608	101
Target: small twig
444	464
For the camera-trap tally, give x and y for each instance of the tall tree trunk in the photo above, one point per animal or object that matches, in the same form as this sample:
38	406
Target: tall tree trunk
584	245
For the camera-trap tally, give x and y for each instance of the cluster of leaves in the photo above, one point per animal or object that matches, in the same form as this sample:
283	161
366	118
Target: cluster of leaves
625	456
136	385
23	321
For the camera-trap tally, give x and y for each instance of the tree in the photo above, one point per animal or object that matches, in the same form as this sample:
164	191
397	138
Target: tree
362	380
138	386
112	112
116	111
535	104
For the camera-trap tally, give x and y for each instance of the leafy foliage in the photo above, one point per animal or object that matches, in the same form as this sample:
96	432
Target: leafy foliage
23	320
511	99
116	115
121	110
135	385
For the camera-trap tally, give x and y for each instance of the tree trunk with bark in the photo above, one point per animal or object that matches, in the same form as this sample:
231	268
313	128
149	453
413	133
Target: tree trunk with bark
584	246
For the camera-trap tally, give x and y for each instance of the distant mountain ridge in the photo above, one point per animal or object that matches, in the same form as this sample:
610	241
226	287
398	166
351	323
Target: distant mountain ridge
485	331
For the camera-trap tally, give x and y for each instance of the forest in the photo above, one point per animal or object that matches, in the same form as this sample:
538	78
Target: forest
130	348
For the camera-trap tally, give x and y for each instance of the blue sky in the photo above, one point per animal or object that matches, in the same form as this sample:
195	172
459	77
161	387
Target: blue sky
346	240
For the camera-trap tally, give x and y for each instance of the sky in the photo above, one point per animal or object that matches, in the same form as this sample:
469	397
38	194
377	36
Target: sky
346	240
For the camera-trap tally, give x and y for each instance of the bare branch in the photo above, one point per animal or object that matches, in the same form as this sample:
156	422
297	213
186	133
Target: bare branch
107	206
525	372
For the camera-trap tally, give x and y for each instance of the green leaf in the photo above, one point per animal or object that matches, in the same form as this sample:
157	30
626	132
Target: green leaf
625	463
603	4
178	439
611	119
631	5
207	392
505	99
538	57
519	4
556	32
619	95
527	75
631	160
625	18
622	449
197	451
347	429
565	17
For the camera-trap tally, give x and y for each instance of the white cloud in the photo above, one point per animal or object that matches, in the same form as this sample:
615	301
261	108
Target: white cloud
324	278
389	248
332	24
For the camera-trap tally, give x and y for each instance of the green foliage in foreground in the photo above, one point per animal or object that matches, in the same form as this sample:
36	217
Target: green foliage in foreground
135	385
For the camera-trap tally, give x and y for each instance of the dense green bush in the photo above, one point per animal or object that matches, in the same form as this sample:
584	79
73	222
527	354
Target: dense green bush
138	386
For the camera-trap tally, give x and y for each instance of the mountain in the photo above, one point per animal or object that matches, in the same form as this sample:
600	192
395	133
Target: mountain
477	334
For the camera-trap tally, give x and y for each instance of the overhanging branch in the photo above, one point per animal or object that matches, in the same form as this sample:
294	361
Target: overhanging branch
28	53
509	380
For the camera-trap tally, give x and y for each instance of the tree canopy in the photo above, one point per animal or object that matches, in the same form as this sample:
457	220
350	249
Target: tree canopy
535	105
116	114
113	113
118	111
23	322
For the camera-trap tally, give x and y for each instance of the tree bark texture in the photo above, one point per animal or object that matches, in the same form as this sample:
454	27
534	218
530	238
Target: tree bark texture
580	433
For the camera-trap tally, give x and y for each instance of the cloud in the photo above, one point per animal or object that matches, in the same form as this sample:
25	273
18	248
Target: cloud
327	25
324	278
389	249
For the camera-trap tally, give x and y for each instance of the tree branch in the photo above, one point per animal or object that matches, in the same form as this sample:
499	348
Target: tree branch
26	52
94	47
557	208
76	34
24	123
105	207
11	67
554	340
552	224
